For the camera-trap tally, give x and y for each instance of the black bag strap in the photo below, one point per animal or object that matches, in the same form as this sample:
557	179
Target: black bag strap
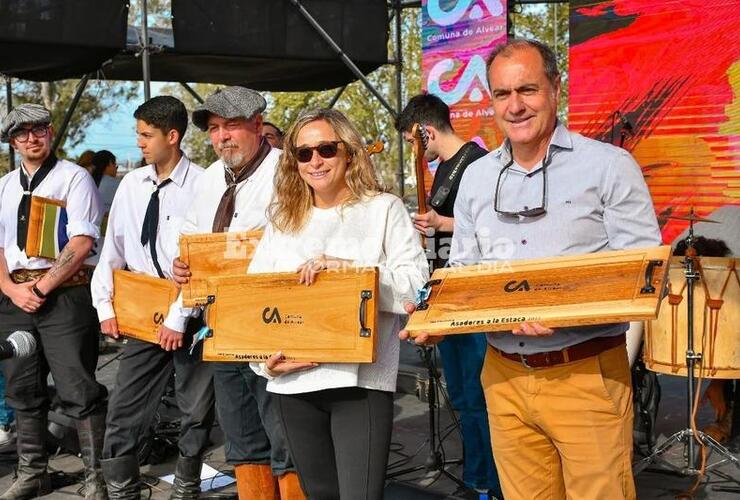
444	190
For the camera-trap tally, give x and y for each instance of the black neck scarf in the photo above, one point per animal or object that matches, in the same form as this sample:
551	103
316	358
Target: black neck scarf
151	222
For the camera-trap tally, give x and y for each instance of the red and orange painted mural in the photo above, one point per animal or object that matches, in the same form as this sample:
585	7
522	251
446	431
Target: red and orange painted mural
662	78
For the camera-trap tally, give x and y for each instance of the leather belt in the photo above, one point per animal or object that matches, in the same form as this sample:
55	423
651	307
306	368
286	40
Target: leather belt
81	277
569	354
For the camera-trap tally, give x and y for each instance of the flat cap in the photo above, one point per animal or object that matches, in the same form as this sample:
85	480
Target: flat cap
229	102
24	114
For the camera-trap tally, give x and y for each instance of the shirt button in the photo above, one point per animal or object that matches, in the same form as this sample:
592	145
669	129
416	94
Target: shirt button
521	344
524	242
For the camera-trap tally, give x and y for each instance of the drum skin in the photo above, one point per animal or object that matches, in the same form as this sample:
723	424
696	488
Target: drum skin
716	322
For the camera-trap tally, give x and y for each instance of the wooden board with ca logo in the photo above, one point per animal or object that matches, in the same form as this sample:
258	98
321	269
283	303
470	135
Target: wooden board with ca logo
605	287
256	315
141	303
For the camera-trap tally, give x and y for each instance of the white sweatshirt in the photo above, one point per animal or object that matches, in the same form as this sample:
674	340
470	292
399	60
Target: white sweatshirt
377	231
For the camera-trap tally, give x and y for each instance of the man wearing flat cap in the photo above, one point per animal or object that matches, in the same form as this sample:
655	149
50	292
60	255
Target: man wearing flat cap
47	297
234	194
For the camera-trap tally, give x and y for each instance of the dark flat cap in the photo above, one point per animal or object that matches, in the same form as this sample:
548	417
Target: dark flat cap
25	114
229	102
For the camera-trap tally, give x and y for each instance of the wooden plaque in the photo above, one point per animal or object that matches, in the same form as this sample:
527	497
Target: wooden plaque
141	303
257	315
604	287
47	228
214	254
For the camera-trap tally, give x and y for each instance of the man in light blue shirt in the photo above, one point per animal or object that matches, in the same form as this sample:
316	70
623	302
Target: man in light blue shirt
559	400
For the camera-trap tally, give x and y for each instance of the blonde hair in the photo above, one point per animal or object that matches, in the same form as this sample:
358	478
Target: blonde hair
293	199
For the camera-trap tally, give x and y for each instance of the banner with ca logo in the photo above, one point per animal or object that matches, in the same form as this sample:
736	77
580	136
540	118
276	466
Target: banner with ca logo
457	36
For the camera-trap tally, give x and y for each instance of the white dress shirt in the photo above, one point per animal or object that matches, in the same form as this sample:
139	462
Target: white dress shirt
65	182
250	212
122	246
375	232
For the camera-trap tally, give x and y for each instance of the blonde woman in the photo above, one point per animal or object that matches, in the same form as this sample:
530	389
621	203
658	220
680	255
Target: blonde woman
330	213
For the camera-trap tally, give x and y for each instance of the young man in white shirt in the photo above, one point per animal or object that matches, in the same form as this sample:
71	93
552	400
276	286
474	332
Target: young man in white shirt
142	236
234	195
48	298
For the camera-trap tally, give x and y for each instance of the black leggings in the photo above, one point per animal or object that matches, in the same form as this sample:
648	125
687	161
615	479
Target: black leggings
339	440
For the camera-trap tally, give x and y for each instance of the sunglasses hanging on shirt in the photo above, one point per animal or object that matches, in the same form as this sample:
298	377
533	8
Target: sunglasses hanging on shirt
530	212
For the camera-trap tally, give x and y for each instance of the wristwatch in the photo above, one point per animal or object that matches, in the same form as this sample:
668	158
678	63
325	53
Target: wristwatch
38	293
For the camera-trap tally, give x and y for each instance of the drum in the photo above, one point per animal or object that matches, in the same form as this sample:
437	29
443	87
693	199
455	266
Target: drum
716	321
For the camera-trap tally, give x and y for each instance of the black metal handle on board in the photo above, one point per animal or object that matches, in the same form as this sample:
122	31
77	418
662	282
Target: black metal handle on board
365	295
649	288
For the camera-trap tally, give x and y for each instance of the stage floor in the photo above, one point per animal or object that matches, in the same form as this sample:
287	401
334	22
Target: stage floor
410	445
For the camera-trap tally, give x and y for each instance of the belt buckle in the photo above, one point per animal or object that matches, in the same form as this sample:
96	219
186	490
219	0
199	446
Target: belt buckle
523	359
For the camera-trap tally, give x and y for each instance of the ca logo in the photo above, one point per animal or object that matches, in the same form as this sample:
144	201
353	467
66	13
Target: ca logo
474	71
446	17
271	315
158	318
513	286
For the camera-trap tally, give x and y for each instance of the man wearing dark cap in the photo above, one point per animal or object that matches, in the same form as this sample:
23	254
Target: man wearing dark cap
234	194
47	297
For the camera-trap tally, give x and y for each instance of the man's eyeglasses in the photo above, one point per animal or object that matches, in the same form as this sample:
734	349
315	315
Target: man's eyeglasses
326	150
23	134
530	212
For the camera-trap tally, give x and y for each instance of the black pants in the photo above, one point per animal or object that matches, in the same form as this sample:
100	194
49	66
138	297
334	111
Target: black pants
143	374
249	418
339	440
66	331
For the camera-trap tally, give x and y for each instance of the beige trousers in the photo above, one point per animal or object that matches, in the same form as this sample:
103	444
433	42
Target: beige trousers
563	431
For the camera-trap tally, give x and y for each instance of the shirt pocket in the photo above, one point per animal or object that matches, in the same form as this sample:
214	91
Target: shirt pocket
171	234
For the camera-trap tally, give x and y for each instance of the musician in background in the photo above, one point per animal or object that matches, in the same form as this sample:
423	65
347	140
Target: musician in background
330	214
49	299
559	400
273	134
233	195
142	237
462	355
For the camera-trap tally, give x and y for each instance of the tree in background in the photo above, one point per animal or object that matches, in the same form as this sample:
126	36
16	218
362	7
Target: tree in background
99	99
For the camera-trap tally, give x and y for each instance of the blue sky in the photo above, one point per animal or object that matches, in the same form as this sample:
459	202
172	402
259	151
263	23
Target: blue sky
116	131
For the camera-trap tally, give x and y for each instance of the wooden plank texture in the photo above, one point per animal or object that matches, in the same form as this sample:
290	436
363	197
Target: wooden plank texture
214	254
561	291
141	303
257	315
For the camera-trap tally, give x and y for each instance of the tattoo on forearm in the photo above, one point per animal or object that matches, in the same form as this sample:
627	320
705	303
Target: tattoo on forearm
65	257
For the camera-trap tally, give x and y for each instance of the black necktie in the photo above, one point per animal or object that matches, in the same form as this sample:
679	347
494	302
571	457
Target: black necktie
151	221
24	208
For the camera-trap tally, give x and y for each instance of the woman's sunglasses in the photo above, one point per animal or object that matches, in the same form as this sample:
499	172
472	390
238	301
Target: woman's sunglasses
326	150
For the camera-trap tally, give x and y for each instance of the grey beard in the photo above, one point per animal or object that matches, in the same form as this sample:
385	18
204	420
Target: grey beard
234	161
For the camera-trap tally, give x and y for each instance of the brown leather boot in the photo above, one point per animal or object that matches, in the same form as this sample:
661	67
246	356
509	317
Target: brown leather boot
255	482
290	487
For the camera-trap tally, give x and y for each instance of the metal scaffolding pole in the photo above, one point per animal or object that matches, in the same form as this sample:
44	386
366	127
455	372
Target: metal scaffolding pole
192	92
145	51
9	105
342	56
400	175
70	111
337	96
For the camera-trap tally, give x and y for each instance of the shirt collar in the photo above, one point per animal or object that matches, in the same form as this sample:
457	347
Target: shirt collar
560	139
177	175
